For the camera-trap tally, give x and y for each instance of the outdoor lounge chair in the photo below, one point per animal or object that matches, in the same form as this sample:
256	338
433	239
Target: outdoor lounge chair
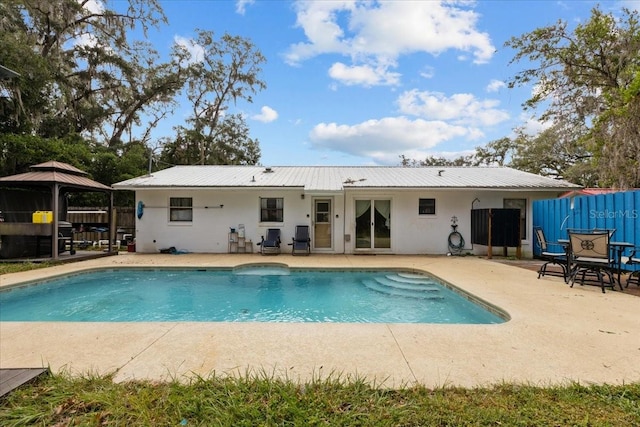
301	242
591	258
270	244
551	253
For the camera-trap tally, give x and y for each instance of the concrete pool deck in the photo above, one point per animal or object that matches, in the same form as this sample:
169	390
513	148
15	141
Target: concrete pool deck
556	334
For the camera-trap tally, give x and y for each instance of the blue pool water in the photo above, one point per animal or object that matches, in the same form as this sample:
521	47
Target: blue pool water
242	295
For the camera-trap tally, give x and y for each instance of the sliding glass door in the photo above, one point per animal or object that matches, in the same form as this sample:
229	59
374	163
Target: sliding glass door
373	224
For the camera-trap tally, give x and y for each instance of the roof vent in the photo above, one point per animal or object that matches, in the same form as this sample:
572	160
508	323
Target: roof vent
268	170
440	172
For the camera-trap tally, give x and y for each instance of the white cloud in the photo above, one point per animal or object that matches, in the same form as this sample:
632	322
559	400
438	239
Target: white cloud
380	32
85	40
427	72
532	126
195	51
93	6
386	139
317	19
438	119
241	6
364	75
495	85
88	39
267	115
460	108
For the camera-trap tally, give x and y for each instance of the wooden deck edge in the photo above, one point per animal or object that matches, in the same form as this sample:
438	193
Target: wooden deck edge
12	378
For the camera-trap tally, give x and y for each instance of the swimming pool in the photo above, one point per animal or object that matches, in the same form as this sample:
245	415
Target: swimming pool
249	294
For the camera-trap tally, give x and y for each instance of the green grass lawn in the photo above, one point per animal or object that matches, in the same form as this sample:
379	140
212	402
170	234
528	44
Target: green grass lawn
62	400
16	267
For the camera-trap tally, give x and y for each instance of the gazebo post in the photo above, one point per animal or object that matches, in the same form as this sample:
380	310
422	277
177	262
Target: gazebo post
54	226
112	234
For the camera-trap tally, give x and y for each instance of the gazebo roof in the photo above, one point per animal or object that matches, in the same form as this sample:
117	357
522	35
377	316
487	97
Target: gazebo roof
53	172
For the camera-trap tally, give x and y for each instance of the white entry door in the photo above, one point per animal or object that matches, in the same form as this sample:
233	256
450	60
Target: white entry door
322	225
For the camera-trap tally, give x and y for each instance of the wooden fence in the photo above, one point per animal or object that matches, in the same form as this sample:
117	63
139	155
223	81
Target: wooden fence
92	224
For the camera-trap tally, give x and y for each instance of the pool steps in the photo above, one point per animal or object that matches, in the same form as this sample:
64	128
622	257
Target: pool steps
412	286
400	281
406	287
398	284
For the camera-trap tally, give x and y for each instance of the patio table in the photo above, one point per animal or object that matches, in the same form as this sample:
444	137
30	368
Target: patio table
619	248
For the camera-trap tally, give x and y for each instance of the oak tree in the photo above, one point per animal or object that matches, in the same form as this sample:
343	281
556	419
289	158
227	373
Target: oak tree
225	71
587	81
84	73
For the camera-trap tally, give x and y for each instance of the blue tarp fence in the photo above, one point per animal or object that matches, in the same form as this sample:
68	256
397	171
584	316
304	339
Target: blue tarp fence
613	211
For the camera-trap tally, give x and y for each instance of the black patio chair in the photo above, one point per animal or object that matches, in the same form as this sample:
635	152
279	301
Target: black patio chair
634	258
552	253
301	242
270	244
591	259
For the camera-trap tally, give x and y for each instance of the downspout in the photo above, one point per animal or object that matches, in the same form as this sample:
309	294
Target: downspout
471	237
344	222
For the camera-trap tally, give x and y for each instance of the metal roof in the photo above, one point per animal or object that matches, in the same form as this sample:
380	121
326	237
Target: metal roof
338	178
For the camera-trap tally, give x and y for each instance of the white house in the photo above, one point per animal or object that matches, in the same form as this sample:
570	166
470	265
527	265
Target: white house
381	210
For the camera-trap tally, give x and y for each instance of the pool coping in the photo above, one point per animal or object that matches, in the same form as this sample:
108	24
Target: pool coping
556	334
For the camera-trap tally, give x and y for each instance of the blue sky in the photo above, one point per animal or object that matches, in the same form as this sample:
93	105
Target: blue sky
361	83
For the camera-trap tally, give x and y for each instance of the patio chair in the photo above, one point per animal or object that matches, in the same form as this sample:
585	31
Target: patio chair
591	259
270	244
551	253
301	242
634	258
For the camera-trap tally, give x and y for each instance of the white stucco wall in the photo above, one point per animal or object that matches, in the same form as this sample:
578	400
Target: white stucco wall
428	234
411	233
208	232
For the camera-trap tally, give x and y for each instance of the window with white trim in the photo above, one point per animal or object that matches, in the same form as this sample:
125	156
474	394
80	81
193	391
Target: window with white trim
271	209
427	207
180	209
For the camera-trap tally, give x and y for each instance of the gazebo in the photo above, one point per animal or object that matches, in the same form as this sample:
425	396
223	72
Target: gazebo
57	179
